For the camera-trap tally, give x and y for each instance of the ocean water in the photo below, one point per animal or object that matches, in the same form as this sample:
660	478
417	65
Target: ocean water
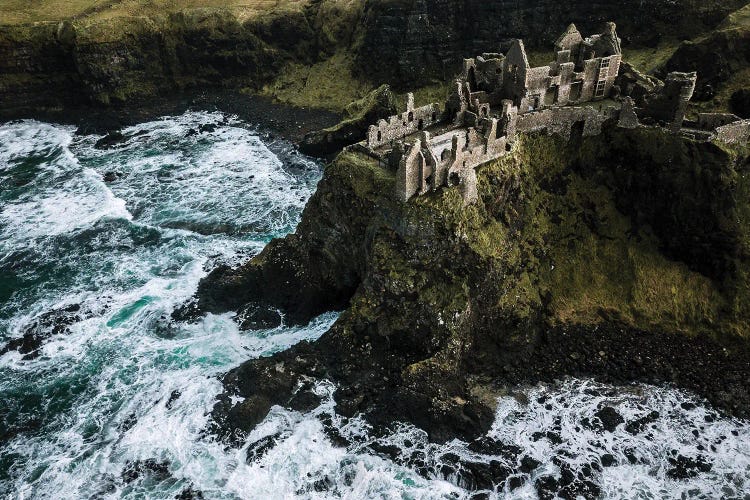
116	401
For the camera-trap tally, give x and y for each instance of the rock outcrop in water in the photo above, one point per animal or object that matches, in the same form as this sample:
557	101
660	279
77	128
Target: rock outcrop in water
623	257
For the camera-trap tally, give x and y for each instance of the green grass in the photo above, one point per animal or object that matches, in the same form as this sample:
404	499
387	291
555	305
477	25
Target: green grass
329	84
27	11
647	59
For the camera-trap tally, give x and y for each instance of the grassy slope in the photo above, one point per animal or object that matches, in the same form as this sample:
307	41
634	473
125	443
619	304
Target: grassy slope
25	11
736	24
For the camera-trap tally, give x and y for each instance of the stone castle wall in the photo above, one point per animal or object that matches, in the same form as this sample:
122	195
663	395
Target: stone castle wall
499	96
399	126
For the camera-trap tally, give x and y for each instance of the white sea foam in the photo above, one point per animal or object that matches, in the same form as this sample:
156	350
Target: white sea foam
122	384
67	195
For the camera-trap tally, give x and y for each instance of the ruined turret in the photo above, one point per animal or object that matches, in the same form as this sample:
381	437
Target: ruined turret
669	105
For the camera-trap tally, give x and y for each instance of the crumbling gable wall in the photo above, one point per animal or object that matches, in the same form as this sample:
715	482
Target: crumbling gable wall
515	66
409	171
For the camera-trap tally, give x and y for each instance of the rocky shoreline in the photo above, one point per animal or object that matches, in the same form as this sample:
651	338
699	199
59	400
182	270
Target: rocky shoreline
288	122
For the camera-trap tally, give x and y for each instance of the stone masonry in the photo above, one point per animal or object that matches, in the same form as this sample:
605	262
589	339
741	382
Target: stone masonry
498	96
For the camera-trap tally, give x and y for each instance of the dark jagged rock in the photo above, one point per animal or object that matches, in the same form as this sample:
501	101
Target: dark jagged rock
682	467
255	317
378	104
739	103
110	140
637	426
447	305
608	418
51	323
258	449
173	396
110	177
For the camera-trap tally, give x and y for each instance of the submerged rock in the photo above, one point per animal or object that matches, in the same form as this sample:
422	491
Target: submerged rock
153	468
54	322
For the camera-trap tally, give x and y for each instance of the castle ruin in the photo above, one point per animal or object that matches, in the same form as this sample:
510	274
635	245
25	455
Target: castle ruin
499	96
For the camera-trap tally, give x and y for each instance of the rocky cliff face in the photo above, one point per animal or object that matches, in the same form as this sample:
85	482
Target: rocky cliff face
409	42
117	60
623	257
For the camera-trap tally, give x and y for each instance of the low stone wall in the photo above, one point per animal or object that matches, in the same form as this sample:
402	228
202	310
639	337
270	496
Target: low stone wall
560	121
399	126
734	133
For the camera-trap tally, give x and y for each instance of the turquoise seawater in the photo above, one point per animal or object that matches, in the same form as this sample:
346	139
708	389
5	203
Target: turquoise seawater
96	268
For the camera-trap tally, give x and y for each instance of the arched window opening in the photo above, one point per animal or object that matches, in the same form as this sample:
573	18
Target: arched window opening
420	124
411	116
380	136
472	78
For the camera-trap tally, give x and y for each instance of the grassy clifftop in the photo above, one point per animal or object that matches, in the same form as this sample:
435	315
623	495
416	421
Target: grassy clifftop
22	11
57	54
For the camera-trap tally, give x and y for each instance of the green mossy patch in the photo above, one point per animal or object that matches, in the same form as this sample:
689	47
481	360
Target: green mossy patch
329	84
573	232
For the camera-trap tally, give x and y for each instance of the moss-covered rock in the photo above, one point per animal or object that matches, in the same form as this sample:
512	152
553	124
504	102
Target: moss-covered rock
622	256
360	114
120	57
721	57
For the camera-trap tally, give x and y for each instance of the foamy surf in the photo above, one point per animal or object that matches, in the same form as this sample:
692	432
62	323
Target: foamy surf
115	401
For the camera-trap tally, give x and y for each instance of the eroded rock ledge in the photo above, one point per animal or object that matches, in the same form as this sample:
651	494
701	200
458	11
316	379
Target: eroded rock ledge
623	257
